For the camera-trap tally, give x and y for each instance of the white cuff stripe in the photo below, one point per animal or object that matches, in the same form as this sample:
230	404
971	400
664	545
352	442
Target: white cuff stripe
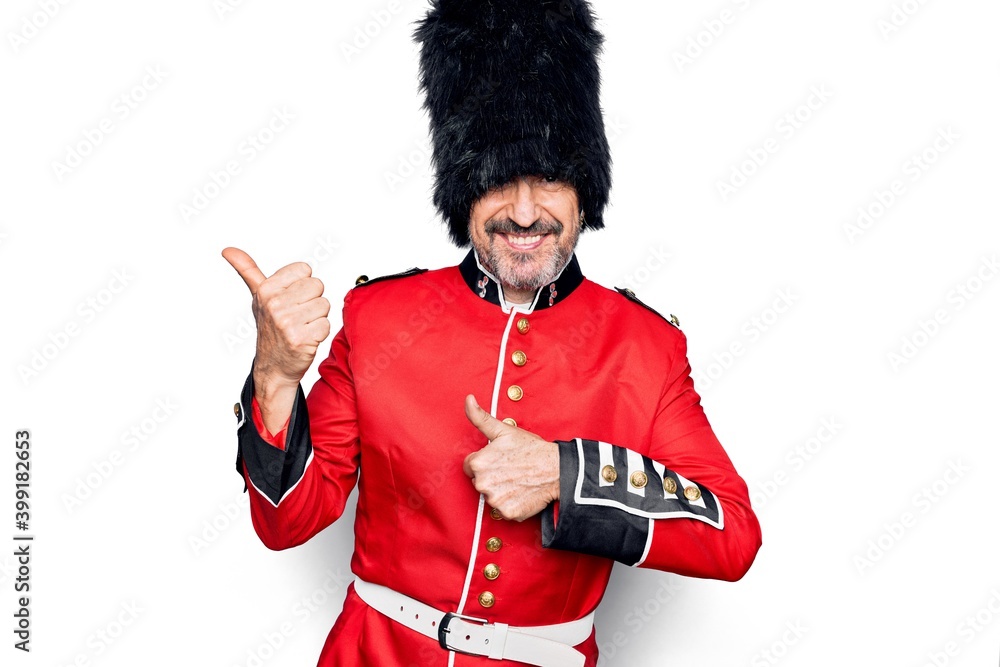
649	543
635	464
685	483
661	470
606	502
607	459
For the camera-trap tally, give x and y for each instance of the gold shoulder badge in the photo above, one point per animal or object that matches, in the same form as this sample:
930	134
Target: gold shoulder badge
630	295
365	280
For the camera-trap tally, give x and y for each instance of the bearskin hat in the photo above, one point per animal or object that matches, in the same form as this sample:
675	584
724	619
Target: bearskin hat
513	89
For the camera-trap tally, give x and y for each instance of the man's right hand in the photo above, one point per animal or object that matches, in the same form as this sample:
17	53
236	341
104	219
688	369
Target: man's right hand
291	316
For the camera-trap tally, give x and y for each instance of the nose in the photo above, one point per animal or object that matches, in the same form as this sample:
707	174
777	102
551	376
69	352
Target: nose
524	204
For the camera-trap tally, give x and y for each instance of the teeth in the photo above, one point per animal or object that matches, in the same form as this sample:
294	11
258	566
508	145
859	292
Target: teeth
524	240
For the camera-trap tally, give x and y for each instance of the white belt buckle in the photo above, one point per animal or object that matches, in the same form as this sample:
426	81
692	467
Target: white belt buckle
443	630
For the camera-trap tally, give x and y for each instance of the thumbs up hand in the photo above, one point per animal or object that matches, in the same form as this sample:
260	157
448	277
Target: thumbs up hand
517	472
291	316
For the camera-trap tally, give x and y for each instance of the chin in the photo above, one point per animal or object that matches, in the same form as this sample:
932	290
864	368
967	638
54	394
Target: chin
525	271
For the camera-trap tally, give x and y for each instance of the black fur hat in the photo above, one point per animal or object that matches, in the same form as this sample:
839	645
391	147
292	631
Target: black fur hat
513	89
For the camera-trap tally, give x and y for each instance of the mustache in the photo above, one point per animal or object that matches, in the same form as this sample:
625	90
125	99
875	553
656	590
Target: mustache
508	226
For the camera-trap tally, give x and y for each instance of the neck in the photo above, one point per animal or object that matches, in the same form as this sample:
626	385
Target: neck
518	296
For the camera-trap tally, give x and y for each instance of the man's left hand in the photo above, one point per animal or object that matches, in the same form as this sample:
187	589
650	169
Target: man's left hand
517	472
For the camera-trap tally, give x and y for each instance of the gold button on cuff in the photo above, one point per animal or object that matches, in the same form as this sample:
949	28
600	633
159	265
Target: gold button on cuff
236	409
510	421
495	514
486	599
491	572
515	393
669	485
362	279
638	479
523	325
519	358
493	545
609	474
692	492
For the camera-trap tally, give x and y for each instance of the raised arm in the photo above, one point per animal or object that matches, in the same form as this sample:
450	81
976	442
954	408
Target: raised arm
298	483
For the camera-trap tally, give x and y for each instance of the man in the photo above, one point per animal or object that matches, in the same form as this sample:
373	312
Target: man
486	535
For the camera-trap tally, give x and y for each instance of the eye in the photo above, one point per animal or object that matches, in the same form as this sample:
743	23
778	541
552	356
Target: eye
551	182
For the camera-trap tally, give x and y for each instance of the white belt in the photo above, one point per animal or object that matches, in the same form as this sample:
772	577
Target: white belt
542	645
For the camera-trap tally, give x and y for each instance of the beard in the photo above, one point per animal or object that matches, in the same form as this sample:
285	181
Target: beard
526	270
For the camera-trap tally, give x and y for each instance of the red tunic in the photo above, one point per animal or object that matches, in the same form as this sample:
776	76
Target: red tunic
598	366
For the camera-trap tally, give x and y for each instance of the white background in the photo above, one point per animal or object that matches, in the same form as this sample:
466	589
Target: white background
350	171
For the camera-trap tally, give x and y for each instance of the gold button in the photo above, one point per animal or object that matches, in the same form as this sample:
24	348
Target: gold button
495	514
509	420
486	599
519	358
362	279
609	474
638	479
692	492
673	320
669	485
491	572
523	325
236	409
493	545
515	393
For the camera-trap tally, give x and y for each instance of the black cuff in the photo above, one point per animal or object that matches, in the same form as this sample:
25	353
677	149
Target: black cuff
590	529
607	507
271	470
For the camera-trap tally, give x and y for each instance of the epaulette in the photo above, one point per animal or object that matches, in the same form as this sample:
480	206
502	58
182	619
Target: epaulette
630	295
365	280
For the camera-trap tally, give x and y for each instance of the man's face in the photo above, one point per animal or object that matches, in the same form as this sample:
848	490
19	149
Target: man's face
525	231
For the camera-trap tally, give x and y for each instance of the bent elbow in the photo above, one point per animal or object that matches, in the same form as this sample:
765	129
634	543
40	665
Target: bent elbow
744	552
275	538
276	542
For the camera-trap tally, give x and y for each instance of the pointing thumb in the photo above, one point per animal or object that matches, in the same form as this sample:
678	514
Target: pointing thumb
488	425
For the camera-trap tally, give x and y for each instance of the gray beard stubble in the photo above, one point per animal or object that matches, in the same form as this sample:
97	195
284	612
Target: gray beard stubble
506	272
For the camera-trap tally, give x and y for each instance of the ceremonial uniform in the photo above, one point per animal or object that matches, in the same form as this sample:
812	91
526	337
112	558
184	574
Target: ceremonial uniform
643	479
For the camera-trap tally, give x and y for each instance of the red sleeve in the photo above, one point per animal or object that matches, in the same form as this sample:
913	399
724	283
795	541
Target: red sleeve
299	479
277	439
679	507
684	442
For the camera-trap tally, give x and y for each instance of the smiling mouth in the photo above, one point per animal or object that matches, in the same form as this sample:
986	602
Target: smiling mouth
523	242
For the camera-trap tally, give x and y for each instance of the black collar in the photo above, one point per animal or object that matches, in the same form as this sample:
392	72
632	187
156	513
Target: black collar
486	286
